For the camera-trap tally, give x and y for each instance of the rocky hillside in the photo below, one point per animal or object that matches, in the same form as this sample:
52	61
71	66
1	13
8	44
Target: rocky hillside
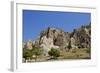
59	39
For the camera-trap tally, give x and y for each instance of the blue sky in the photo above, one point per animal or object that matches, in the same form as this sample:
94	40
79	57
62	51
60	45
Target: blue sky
35	21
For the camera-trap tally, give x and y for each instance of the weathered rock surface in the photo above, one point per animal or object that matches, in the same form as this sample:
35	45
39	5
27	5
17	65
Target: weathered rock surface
58	39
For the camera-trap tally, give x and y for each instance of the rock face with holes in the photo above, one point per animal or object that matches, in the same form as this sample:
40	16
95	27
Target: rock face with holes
59	39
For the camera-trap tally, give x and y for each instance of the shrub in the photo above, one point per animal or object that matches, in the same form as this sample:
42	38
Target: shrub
27	54
69	45
88	50
54	53
37	52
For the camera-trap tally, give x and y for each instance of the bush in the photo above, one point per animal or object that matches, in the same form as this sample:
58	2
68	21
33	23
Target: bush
54	53
27	54
69	45
88	50
37	52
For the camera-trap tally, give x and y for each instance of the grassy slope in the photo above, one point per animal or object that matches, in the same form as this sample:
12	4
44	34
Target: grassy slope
76	54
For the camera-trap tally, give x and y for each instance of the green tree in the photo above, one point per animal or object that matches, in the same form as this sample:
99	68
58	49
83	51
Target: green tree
27	54
88	50
37	52
54	53
69	45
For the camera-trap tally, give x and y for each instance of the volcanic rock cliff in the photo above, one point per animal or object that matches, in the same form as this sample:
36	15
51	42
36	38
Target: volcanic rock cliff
59	39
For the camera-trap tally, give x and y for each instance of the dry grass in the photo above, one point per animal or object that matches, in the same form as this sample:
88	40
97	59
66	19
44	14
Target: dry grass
76	54
83	53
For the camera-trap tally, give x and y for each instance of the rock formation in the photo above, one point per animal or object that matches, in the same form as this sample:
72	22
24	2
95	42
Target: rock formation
59	39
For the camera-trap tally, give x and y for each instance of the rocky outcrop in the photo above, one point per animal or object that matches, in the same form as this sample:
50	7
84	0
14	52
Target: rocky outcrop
82	37
28	45
57	38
